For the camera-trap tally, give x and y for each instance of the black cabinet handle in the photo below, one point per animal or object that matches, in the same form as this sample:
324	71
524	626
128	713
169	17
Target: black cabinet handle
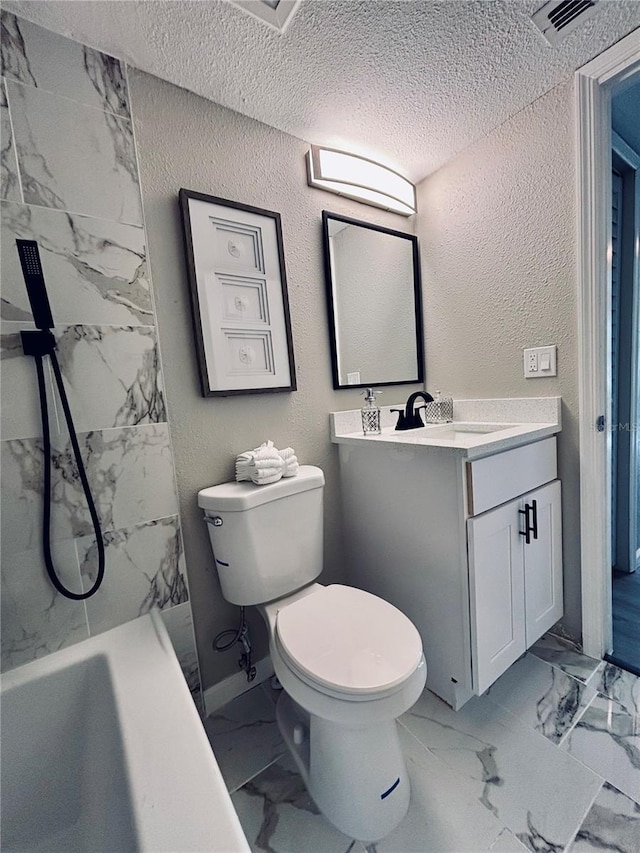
534	513
529	527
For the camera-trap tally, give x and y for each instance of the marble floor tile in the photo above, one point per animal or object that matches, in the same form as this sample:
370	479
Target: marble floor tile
607	739
35	619
278	815
565	656
95	270
9	179
244	736
542	696
444	815
517	774
144	569
37	57
620	685
73	157
613	823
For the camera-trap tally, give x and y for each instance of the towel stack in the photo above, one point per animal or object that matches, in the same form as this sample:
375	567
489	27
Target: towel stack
266	464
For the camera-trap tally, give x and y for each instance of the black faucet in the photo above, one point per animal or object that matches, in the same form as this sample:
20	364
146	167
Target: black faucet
410	417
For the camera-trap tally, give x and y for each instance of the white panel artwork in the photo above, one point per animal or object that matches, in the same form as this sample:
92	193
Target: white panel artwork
239	296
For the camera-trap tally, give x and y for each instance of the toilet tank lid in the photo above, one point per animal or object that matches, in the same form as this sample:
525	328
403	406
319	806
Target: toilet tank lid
237	497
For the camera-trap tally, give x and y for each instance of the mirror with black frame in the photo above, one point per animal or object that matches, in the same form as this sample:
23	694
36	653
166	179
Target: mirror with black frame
373	294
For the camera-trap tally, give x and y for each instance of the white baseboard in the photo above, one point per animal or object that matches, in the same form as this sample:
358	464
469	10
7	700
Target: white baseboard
235	685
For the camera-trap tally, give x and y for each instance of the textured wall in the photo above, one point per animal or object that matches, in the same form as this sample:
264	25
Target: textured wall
70	181
498	243
186	141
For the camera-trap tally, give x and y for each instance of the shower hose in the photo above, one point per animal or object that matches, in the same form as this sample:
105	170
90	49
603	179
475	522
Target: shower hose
46	438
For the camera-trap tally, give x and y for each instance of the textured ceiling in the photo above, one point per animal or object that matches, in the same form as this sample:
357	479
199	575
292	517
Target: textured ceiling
410	83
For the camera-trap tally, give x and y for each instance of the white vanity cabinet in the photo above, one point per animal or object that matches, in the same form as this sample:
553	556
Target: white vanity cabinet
515	586
439	536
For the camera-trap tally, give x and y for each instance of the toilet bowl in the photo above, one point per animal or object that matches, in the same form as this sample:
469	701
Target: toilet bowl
347	677
349	662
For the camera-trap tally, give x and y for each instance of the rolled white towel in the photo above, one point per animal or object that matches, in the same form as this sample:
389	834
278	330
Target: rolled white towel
266	475
262	465
289	461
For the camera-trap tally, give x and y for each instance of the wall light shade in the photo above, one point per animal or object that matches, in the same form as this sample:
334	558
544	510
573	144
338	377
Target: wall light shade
361	179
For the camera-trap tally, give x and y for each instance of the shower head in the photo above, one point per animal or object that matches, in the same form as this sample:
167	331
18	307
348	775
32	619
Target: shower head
34	280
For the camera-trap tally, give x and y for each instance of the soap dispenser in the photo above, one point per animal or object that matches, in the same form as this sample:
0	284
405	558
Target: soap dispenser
443	408
371	413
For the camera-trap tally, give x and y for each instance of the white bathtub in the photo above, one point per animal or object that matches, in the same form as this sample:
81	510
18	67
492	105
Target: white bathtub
103	750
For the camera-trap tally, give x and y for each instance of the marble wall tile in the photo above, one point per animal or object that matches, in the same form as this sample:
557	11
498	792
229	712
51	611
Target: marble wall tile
20	410
74	158
542	696
144	569
95	270
607	739
37	57
506	842
278	815
244	736
112	375
37	620
9	179
21	463
565	656
613	823
130	472
179	623
516	774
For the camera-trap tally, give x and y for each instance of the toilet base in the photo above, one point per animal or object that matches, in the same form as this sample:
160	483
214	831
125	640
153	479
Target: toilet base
355	774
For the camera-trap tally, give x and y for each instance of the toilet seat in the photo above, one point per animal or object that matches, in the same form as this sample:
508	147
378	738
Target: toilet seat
346	641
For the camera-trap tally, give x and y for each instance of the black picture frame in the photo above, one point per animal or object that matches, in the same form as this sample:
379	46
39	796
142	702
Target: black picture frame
239	296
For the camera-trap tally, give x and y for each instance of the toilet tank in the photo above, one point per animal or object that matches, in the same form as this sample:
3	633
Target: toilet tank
266	540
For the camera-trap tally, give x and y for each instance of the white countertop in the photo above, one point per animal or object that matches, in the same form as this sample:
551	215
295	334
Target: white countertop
515	422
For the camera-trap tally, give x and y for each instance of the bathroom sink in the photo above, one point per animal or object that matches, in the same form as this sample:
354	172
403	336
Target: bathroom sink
452	431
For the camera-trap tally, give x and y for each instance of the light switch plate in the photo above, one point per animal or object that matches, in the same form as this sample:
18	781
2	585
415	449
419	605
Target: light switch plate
539	362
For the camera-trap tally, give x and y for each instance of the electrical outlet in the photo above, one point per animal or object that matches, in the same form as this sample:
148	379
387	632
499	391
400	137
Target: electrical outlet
539	362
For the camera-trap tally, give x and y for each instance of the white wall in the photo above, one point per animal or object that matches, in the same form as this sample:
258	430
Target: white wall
497	230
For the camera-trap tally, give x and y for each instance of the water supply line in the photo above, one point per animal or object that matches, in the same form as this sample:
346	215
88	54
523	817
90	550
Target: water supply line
222	643
39	344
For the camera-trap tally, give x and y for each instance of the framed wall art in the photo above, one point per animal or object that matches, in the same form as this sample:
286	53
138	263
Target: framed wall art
237	280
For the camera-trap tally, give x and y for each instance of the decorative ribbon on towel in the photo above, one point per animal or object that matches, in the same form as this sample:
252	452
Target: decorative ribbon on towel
266	464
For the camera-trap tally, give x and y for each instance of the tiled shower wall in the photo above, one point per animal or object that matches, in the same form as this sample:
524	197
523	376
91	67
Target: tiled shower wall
70	181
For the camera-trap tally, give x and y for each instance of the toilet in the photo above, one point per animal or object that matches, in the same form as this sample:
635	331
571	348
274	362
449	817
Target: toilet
349	662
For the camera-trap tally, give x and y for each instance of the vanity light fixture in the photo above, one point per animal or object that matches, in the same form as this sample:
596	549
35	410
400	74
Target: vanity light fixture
356	177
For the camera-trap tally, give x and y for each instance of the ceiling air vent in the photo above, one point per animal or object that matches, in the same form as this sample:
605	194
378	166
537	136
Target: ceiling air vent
556	20
275	13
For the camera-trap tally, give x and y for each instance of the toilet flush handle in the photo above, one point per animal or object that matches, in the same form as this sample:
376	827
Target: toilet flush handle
213	520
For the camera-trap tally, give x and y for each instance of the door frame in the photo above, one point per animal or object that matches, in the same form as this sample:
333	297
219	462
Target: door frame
593	84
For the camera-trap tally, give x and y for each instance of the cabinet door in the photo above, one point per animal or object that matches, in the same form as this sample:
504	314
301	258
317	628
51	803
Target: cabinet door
496	592
543	563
